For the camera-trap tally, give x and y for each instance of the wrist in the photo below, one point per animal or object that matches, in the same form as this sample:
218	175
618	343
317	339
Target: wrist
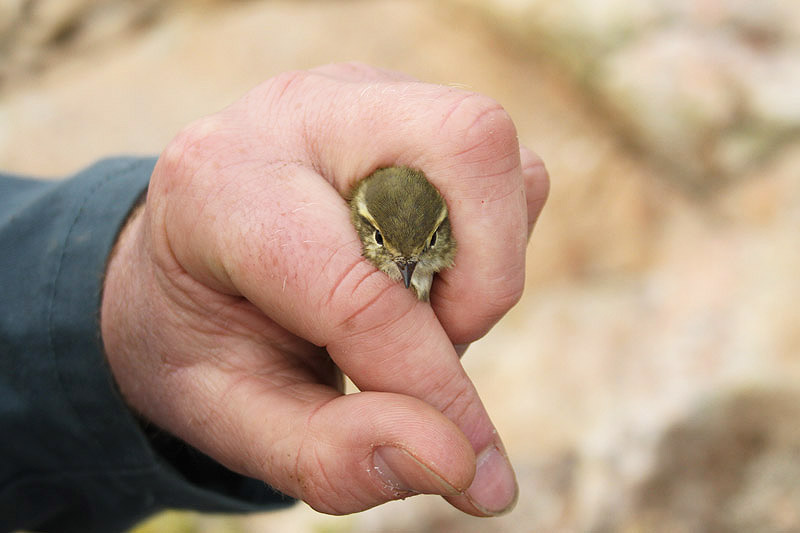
120	307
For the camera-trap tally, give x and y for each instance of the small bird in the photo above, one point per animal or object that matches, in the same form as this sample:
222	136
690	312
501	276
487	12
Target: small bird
404	227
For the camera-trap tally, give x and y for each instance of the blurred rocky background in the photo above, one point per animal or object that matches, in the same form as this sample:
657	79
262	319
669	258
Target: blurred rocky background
648	380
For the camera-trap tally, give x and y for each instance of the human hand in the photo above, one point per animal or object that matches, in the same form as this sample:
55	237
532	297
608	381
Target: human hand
238	291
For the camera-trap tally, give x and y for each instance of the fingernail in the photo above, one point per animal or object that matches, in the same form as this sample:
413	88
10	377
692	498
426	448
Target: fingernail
402	473
494	489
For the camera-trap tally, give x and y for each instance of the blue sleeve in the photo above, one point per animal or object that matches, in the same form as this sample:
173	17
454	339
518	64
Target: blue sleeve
74	458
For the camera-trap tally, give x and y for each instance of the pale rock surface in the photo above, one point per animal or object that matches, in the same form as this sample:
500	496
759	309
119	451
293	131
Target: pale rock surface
703	87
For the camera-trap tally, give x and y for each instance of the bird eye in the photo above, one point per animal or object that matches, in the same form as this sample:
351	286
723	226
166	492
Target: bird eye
378	238
433	239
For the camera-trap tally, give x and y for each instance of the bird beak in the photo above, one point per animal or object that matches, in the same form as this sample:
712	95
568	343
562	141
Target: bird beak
406	269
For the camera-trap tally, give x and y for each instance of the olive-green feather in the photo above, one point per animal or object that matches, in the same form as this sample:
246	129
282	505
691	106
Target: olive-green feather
401	197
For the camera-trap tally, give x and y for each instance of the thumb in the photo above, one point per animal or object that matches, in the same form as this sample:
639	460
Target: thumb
338	453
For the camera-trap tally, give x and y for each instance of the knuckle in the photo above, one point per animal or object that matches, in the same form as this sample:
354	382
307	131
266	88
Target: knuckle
191	147
509	294
496	300
317	487
537	181
354	67
461	400
541	186
282	87
327	470
482	127
503	293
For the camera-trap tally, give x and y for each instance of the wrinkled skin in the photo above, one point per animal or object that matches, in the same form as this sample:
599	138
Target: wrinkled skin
238	292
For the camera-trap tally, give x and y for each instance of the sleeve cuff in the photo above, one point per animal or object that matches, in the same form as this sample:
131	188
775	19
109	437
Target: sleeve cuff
105	458
170	473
